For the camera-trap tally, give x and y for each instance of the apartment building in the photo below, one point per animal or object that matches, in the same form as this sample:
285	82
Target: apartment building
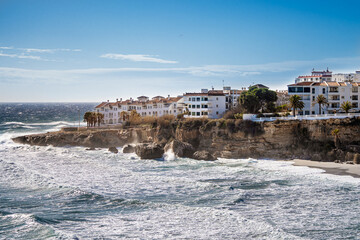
316	76
118	112
207	103
335	92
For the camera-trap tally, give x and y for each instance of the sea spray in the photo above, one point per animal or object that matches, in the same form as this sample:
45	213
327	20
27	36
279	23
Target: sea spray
169	155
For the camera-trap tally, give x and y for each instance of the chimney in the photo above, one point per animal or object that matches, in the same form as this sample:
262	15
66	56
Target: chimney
107	100
169	96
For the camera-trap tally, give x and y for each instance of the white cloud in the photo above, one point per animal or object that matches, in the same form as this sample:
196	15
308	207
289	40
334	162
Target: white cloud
6	48
136	58
198	71
21	56
39	50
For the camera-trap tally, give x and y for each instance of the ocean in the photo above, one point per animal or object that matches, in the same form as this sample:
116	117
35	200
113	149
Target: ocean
71	193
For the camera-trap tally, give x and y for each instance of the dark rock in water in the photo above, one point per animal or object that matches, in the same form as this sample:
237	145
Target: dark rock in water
113	150
149	151
90	149
129	149
180	149
203	155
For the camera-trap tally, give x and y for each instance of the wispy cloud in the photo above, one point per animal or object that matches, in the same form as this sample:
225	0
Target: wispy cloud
25	53
21	56
198	71
6	48
39	50
136	58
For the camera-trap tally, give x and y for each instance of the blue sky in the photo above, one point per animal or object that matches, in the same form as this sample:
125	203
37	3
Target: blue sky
98	50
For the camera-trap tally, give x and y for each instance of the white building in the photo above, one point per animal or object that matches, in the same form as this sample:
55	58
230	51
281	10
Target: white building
117	112
316	76
336	93
347	77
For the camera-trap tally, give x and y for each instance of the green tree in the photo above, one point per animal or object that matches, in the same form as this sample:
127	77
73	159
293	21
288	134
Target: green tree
296	103
100	118
87	118
346	106
322	101
256	99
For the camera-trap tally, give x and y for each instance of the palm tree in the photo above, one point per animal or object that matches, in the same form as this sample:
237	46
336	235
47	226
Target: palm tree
321	100
296	103
100	118
87	118
346	106
93	119
335	133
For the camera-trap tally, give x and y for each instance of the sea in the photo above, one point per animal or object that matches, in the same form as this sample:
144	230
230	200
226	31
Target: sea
71	193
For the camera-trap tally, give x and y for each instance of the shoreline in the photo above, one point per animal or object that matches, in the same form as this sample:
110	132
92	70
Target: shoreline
331	167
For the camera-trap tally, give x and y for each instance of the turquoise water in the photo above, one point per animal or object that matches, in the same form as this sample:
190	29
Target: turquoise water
71	193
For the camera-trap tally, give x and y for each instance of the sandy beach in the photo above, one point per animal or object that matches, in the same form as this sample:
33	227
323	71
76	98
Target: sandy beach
331	167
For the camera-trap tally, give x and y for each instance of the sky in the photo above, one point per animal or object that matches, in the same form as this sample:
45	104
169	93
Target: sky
93	51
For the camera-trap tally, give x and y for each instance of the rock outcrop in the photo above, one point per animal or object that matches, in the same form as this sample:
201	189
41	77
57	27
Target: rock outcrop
113	150
180	149
307	139
129	148
203	155
149	151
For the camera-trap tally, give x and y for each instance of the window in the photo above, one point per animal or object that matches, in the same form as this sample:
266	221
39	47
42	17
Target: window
355	105
354	97
197	106
193	113
205	113
334	89
307	89
323	90
217	105
193	106
197	113
217	99
313	90
205	99
198	99
193	99
217	113
307	112
313	112
190	99
313	98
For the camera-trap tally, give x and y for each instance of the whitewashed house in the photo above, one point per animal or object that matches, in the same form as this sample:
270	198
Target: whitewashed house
158	106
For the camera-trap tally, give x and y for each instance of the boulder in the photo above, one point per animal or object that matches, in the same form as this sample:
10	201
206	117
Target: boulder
128	149
349	157
203	155
90	149
113	150
149	151
180	149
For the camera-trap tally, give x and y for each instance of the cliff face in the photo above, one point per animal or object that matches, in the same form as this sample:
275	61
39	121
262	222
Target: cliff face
229	139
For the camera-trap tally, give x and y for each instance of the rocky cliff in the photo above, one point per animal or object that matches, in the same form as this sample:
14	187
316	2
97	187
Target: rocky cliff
311	139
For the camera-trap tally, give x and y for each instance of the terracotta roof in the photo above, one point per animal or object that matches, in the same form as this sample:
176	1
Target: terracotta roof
302	84
101	105
333	84
310	76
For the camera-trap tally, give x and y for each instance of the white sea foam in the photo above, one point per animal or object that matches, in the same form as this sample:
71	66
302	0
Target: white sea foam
169	155
182	199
